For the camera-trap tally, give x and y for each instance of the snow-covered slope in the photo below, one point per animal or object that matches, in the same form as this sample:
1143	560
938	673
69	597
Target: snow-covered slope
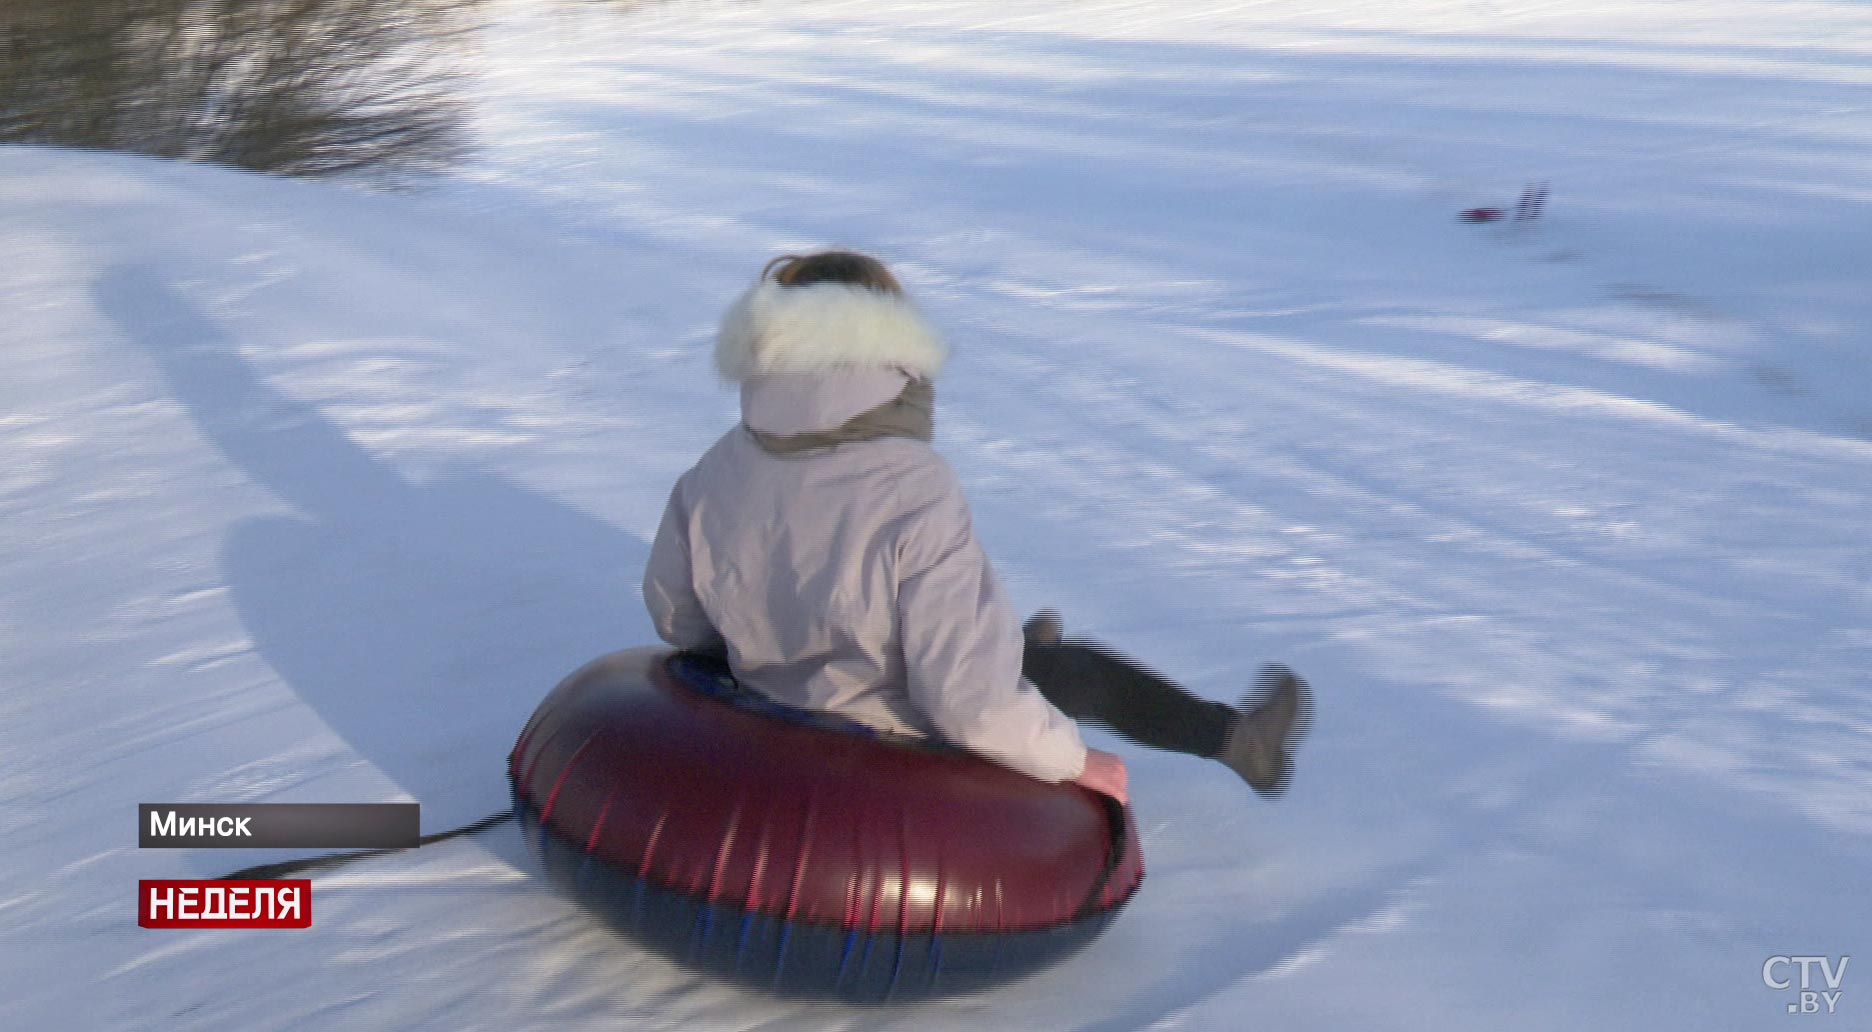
310	493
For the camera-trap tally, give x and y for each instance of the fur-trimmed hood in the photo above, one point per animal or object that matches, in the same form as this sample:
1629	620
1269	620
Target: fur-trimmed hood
822	327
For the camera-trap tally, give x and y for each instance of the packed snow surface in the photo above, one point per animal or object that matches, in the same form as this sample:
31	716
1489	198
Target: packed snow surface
311	491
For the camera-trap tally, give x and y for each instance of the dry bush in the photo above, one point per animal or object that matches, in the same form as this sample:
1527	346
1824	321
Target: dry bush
300	87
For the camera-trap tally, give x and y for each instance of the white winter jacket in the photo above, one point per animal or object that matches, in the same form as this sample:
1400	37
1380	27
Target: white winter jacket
846	579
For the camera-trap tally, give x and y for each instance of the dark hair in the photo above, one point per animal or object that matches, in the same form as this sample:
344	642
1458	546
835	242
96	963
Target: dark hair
798	270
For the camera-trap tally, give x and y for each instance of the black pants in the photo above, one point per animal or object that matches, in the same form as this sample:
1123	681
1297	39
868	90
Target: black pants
1090	683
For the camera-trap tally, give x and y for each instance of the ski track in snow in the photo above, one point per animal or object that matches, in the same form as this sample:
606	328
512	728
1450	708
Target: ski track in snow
1223	502
311	493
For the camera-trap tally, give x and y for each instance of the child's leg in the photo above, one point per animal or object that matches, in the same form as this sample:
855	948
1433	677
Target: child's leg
1088	682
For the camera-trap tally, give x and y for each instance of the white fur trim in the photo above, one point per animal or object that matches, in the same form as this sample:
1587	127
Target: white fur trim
824	326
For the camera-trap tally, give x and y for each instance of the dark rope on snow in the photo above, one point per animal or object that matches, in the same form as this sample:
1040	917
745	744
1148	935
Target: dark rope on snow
319	863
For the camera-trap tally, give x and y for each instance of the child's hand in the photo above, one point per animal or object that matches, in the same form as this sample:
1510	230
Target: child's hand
1105	773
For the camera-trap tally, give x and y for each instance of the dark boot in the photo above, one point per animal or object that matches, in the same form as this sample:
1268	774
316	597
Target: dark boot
1043	628
1274	718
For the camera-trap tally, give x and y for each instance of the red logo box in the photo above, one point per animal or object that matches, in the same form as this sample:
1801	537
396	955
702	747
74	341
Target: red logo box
215	903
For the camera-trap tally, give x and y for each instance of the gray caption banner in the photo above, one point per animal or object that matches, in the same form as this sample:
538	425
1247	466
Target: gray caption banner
278	825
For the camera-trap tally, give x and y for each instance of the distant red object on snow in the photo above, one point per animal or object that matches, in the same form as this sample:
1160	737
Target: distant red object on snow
1533	203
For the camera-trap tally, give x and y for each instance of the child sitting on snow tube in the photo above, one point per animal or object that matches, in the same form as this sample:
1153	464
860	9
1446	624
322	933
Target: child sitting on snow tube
825	551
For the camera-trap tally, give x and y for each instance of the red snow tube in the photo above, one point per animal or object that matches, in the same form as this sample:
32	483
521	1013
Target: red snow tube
800	853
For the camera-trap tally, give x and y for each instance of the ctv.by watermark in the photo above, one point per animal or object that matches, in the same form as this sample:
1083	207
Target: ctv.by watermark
1779	973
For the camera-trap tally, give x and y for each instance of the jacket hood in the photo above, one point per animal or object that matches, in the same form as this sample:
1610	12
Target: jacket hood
786	404
823	327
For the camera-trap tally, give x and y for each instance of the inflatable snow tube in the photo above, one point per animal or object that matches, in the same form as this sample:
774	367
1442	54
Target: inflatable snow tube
803	854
